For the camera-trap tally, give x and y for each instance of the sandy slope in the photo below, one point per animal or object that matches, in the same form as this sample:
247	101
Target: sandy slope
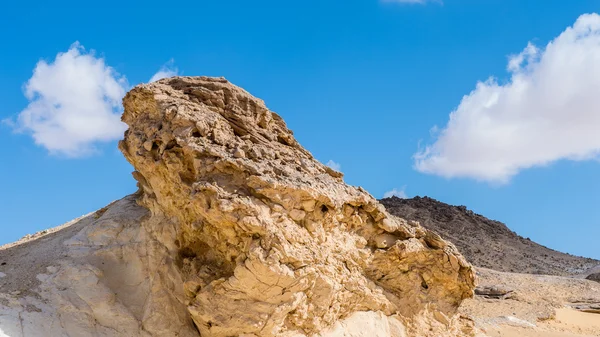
99	275
568	323
538	306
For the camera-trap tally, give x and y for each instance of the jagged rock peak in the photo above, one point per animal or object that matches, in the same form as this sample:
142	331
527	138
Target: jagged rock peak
271	242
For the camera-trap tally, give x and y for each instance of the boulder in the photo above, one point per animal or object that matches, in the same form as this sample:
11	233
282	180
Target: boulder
594	277
497	291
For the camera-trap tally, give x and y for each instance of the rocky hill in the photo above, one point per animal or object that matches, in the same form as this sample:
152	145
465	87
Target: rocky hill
487	243
236	230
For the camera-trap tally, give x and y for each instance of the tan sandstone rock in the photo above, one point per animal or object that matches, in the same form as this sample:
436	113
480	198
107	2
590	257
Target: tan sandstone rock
274	241
242	233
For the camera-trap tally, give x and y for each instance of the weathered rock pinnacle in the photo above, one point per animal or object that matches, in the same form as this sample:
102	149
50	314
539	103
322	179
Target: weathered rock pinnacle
268	240
242	233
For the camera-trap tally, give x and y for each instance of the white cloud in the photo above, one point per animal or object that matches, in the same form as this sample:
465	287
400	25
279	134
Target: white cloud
74	102
167	70
334	165
396	193
549	110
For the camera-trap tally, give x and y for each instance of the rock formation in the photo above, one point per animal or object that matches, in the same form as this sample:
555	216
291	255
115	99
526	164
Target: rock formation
243	233
594	277
109	273
487	243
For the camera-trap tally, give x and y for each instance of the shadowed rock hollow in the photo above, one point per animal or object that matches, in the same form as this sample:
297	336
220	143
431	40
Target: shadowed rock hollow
242	232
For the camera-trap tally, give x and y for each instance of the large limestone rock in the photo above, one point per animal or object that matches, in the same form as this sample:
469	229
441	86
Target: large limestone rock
270	240
240	232
109	273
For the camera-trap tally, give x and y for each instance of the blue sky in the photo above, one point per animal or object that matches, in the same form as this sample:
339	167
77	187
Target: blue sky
361	83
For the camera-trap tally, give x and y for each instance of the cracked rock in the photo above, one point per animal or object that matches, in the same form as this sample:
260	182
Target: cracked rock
236	230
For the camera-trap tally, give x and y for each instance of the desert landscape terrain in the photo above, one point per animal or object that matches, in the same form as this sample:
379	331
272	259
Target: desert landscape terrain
524	289
236	230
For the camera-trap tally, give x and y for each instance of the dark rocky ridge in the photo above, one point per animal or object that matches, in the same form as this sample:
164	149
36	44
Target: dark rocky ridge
594	277
487	243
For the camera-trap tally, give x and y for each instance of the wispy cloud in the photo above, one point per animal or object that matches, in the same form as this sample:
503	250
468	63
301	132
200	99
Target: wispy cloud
549	110
400	193
74	103
334	165
167	70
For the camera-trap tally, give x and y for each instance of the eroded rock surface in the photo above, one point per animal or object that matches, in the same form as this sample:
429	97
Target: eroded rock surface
236	231
109	273
271	241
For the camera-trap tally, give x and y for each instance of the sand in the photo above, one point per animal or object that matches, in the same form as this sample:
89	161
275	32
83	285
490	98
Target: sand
568	323
539	306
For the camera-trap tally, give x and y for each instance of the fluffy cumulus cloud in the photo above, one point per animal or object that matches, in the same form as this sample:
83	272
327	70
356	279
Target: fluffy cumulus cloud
334	165
400	193
74	103
547	111
167	70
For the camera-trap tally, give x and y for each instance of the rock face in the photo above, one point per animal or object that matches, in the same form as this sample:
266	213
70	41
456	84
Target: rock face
109	273
264	230
594	277
242	232
493	291
488	243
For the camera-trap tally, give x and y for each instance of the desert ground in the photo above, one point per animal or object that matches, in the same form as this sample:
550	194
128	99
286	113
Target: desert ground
535	306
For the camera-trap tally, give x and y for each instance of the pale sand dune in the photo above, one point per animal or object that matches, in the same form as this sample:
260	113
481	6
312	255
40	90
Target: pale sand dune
568	323
573	320
509	331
